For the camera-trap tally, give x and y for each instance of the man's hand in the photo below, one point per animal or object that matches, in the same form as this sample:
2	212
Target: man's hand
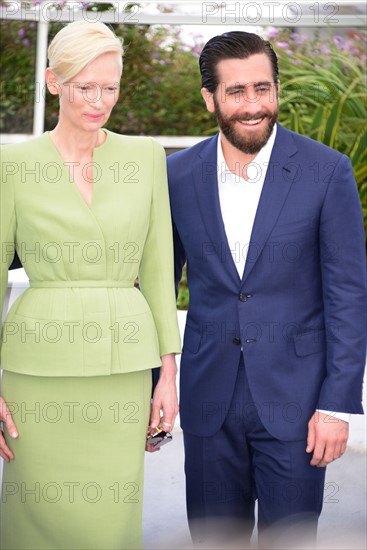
327	438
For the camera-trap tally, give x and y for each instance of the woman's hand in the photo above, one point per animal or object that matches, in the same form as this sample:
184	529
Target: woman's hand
164	398
6	419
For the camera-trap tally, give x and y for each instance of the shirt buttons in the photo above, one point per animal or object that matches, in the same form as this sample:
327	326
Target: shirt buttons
244	297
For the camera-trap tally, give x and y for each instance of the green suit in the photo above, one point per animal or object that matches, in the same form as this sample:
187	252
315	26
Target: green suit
82	315
78	346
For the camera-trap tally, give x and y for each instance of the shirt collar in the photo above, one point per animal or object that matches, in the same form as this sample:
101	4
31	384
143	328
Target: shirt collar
262	158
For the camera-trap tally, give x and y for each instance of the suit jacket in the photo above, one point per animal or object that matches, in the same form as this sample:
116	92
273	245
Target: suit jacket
82	315
299	311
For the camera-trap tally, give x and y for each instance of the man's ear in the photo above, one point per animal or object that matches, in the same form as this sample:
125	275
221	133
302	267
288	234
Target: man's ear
208	97
52	82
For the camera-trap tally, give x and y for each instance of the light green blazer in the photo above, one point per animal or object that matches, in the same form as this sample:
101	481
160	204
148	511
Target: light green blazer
82	315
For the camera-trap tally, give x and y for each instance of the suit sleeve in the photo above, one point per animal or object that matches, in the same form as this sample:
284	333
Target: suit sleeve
7	222
156	275
343	266
179	251
179	256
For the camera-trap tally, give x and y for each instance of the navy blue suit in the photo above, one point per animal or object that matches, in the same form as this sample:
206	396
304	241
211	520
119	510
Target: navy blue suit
299	311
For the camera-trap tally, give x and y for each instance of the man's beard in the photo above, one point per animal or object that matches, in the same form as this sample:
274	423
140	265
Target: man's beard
252	143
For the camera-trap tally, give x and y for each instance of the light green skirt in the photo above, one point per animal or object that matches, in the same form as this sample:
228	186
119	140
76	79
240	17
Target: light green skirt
77	478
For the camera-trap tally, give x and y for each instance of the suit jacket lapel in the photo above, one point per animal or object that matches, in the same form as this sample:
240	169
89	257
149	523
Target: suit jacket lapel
206	185
280	175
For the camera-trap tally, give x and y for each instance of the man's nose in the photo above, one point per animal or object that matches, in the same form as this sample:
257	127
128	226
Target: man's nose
251	104
251	96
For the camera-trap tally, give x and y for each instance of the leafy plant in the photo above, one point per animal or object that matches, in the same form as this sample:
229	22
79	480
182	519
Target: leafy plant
160	87
324	95
183	292
17	86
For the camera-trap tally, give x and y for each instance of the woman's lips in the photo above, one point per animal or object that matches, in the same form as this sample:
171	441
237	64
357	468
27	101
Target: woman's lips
92	117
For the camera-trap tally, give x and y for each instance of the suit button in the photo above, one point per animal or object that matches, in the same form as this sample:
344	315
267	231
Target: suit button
245	297
236	341
250	341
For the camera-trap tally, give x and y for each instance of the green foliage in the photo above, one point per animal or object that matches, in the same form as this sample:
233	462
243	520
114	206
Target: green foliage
324	95
17	86
160	88
183	292
161	79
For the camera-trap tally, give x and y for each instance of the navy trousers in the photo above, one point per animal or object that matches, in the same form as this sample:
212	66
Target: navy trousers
242	462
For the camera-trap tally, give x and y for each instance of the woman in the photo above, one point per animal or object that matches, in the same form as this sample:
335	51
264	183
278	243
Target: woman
87	211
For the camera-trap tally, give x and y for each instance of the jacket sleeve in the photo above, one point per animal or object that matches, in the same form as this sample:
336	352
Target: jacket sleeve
343	267
179	251
7	222
180	257
156	275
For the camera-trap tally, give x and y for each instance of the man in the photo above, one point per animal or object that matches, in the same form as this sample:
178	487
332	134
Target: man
275	339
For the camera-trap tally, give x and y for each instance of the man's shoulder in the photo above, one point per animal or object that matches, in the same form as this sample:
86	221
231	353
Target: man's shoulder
187	155
306	145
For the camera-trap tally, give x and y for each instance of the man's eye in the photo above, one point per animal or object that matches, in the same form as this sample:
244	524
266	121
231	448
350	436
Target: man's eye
263	89
112	89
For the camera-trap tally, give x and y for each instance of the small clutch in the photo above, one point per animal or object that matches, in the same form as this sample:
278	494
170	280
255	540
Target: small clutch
158	438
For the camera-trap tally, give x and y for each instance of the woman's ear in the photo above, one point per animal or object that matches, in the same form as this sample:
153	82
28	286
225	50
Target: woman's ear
52	82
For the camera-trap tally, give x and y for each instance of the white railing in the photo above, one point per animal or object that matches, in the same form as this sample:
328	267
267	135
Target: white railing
168	142
282	13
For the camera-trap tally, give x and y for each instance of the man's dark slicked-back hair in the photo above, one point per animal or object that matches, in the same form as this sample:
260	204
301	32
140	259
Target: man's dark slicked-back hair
232	45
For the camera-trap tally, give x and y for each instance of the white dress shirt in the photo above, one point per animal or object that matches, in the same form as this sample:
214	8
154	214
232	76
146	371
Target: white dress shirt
239	199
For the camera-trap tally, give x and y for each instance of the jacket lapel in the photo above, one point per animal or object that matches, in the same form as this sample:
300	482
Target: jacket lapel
280	175
206	186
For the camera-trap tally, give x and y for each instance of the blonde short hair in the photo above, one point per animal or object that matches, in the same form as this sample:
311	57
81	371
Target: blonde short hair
79	43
